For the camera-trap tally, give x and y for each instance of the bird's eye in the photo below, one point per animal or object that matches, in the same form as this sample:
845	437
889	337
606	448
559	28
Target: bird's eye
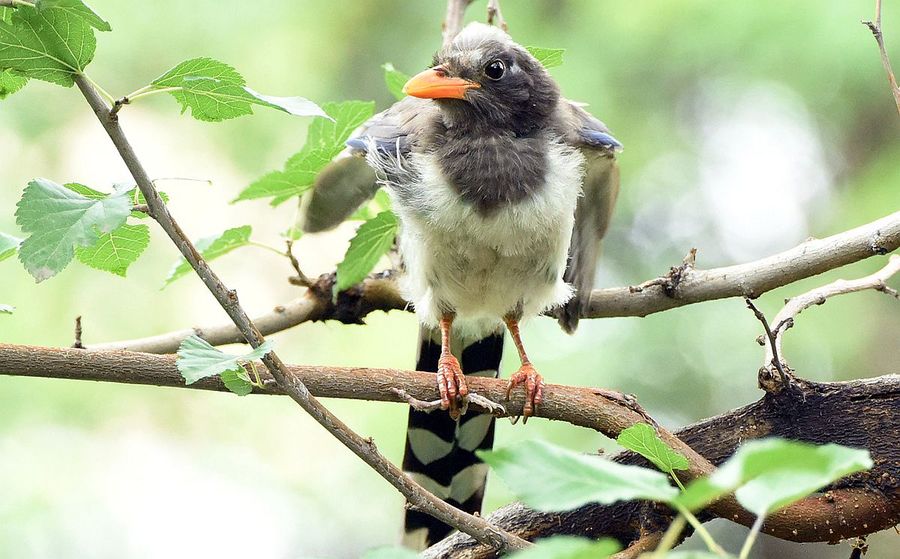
495	70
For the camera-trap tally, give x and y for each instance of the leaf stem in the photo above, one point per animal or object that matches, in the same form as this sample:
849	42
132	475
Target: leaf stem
702	532
109	98
267	247
670	537
751	537
150	90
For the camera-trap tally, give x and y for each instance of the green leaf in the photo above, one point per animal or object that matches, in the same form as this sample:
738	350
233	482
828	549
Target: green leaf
51	45
766	475
116	250
137	197
6	309
390	553
11	82
60	219
6	15
394	80
550	58
198	360
214	91
237	381
211	248
8	245
372	240
324	141
643	439
568	547
551	478
78	9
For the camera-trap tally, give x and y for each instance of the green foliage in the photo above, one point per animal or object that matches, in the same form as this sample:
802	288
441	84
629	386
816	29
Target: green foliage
8	245
51	44
198	360
60	219
214	91
769	474
550	58
643	439
568	547
551	478
6	309
78	9
211	248
115	251
394	80
11	82
372	240
324	141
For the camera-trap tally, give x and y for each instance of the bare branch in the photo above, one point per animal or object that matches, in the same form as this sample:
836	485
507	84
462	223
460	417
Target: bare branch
875	28
495	15
783	376
684	285
453	21
228	299
786	317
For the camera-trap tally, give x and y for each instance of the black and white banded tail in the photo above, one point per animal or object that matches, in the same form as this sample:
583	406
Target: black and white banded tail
440	452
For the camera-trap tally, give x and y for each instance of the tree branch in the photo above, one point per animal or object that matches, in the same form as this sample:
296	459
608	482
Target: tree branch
687	286
228	299
875	28
859	413
453	21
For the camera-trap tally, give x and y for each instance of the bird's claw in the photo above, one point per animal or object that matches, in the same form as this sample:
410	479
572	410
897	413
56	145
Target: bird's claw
534	388
452	385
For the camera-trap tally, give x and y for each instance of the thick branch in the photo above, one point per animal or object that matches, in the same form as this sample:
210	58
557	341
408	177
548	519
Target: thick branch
228	299
860	413
690	286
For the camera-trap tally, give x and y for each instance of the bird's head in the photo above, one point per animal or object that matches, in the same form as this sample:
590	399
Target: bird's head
484	78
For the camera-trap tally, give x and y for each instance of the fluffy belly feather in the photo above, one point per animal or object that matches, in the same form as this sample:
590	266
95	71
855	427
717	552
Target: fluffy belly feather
485	267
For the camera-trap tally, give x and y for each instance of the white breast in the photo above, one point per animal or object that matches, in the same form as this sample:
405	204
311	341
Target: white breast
485	267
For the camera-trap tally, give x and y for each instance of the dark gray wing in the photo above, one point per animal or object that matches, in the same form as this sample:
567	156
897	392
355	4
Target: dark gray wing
592	215
349	181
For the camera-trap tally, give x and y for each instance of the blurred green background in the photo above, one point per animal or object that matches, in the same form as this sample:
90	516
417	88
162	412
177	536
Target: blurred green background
748	127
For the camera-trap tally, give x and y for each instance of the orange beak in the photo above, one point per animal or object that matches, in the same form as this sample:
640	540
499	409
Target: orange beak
436	84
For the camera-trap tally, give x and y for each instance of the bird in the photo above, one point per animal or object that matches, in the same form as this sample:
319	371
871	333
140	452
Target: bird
503	190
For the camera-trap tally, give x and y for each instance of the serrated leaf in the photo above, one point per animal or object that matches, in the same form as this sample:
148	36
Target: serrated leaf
11	82
6	309
390	553
8	245
766	475
237	381
211	248
116	250
643	439
394	79
550	58
371	242
568	480
77	8
51	45
59	220
214	91
324	140
197	359
568	547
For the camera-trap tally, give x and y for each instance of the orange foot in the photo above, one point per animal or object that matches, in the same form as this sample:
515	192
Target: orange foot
534	388
451	383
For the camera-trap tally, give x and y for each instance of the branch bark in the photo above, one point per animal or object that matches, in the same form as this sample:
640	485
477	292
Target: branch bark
859	413
453	21
292	386
688	286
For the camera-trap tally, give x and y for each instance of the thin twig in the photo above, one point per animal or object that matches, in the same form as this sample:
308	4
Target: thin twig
495	15
477	527
776	361
808	259
302	278
646	543
453	21
77	344
875	28
793	307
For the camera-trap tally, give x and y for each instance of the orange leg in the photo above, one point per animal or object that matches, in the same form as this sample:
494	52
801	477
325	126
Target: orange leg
450	378
527	375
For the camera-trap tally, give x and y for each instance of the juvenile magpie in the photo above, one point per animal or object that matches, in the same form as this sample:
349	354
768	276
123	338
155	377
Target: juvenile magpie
503	190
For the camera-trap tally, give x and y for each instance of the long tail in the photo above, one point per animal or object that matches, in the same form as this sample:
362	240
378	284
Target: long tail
440	452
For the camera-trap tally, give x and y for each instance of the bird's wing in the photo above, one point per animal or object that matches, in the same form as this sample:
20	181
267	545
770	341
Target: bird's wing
592	215
349	181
